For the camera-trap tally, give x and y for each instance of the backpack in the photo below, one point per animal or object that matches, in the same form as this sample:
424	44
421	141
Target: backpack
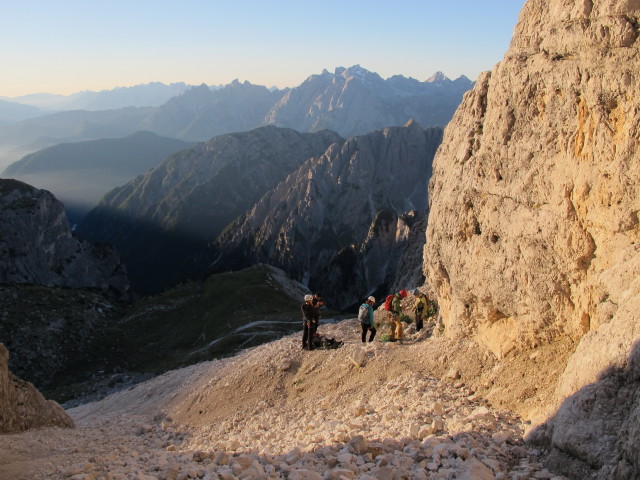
326	343
331	343
363	314
387	303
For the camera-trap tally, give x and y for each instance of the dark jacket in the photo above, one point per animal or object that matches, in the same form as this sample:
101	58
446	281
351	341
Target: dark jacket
308	312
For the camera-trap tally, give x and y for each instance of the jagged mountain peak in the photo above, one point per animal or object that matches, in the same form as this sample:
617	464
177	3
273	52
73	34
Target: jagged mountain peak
359	73
437	78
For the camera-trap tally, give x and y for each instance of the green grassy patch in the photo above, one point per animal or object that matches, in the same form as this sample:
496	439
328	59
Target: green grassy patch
199	321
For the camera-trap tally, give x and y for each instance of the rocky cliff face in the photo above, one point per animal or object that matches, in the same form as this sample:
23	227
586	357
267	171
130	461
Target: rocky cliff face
341	222
533	234
22	407
36	245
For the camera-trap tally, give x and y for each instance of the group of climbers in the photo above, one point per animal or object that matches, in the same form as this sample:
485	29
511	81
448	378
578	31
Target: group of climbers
423	308
393	305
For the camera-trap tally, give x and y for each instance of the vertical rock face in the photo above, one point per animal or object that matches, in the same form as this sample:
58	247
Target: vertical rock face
36	245
533	231
22	406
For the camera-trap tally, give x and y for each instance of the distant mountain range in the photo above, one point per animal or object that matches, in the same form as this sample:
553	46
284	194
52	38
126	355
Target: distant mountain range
148	95
11	112
350	101
353	101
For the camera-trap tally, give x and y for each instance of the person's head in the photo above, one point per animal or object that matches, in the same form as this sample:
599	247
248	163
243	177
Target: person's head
417	293
308	298
403	293
317	295
371	300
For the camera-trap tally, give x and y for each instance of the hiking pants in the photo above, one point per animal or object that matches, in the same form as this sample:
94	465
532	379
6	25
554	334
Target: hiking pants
396	327
366	327
307	333
419	321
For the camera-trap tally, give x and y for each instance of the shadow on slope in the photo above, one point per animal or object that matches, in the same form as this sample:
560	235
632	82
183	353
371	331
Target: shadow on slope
596	431
156	257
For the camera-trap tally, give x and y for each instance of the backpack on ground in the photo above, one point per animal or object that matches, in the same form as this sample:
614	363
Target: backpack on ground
387	303
331	343
320	341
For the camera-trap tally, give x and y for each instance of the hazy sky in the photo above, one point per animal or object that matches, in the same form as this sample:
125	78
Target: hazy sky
64	46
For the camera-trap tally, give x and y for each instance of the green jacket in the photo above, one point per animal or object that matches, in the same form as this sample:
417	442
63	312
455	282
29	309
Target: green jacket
396	306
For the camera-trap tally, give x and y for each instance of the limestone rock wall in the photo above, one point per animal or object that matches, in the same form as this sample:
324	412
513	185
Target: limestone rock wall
533	231
22	406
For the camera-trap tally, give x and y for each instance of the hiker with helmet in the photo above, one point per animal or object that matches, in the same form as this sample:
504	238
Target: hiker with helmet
365	315
395	309
309	326
420	309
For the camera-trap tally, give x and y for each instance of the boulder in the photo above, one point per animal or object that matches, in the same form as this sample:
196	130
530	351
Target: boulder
22	406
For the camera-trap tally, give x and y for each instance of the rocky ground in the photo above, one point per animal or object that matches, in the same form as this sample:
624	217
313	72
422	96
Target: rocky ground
374	411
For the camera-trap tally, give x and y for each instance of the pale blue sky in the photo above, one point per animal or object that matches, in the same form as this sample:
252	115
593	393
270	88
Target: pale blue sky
64	46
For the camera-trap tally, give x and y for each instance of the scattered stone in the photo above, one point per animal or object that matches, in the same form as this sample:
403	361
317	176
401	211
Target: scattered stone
358	357
385	422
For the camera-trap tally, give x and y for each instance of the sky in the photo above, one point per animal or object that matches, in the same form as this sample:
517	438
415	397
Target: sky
66	46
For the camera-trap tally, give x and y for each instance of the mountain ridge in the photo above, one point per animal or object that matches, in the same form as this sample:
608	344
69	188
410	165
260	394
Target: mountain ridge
243	106
168	216
80	173
308	223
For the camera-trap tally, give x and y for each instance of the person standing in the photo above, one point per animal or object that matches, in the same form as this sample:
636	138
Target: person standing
308	313
420	309
394	316
365	315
